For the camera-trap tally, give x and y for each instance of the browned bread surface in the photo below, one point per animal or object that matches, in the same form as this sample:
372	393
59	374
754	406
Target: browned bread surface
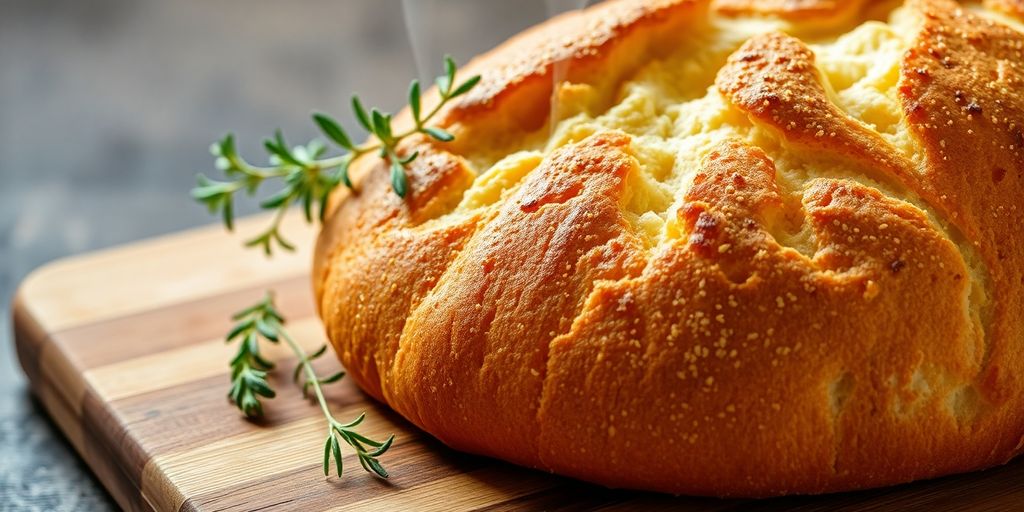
740	257
819	10
1015	7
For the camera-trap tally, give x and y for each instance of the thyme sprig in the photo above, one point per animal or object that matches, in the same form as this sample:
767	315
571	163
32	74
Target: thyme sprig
248	367
308	176
262	321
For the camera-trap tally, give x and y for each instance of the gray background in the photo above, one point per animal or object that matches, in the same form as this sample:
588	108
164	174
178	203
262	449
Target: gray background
107	108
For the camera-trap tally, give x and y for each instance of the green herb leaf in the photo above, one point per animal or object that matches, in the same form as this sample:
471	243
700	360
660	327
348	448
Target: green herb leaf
399	181
414	100
439	134
319	352
240	328
376	467
333	378
343	170
265	330
336	448
408	159
333	130
327	454
228	212
381	123
359	419
363	439
275	201
383	447
227	146
277	147
465	87
449	67
360	112
444	82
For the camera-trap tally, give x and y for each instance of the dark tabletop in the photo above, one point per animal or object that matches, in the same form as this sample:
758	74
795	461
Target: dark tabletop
107	108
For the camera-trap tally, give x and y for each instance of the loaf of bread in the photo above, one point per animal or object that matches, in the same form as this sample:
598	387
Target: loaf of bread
731	248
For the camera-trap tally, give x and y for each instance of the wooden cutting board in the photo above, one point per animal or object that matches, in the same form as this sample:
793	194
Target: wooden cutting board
125	349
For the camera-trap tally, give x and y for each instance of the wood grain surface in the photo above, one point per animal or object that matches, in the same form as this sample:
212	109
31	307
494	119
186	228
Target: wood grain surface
125	349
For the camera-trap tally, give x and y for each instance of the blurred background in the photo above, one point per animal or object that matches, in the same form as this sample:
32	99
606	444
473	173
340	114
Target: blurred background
107	108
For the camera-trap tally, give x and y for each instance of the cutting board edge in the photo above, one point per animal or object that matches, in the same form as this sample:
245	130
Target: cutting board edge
29	336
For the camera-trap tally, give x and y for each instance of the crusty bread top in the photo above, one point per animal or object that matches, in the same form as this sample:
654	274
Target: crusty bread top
1012	7
756	248
827	11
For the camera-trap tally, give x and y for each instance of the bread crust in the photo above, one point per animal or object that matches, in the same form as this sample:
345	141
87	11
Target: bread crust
1012	7
547	330
791	9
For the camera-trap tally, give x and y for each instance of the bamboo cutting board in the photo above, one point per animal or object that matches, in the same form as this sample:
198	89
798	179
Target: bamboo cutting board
125	350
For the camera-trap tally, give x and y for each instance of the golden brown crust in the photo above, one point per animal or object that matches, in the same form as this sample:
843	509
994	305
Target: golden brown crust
548	328
790	9
955	88
773	79
1011	7
580	41
561	231
746	343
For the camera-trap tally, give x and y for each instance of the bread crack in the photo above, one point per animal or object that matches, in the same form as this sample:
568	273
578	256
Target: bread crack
750	249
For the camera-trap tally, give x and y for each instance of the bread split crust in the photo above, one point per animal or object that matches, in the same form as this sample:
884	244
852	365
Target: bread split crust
758	248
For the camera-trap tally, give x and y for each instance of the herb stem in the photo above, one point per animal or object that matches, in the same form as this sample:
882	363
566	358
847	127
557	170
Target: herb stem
278	218
420	122
311	376
249	383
